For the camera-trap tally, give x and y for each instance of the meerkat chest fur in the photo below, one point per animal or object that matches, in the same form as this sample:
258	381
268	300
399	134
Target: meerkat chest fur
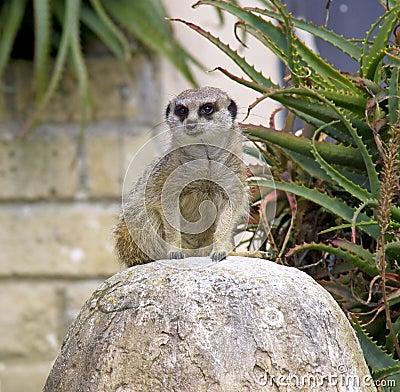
190	175
203	180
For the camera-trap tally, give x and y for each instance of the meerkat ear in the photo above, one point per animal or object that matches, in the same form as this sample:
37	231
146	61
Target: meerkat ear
233	109
167	111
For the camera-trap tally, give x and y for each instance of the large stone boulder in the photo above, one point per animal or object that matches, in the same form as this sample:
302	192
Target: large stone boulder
190	325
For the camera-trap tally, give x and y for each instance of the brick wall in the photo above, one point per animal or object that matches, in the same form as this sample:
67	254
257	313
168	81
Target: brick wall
59	198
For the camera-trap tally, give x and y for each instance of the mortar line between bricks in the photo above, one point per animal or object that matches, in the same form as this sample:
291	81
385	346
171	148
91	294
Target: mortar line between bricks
52	278
46	202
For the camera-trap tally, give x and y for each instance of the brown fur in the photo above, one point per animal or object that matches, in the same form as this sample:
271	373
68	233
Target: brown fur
198	168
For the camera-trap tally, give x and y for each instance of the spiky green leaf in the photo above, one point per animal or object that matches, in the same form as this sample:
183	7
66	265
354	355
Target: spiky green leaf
11	21
335	206
97	26
380	363
373	54
335	154
355	255
317	114
278	40
281	41
329	36
69	17
355	249
248	69
147	21
42	17
394	95
110	33
369	164
348	185
393	250
80	69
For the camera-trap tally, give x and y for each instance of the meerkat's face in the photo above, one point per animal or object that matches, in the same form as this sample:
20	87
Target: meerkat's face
206	112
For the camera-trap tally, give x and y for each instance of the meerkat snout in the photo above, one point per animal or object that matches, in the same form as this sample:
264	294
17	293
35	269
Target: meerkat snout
191	125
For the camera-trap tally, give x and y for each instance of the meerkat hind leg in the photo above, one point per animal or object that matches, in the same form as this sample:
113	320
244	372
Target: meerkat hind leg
173	238
223	241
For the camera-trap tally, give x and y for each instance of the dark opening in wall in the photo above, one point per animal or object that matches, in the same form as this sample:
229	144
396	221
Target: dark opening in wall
350	18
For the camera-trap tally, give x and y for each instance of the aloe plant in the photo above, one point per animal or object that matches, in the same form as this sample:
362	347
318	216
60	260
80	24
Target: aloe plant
108	20
345	220
382	364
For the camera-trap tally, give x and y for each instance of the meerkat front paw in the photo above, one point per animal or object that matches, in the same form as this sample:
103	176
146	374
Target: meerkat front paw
218	256
176	255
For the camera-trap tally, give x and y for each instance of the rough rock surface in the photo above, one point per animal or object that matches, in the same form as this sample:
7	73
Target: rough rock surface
190	325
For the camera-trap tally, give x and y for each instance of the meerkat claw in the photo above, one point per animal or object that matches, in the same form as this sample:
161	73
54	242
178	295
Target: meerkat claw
218	256
177	255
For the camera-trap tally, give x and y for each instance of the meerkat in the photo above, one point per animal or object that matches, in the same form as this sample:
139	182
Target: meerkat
189	201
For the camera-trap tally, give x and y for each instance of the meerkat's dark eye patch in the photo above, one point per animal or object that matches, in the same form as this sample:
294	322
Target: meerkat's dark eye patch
181	111
207	109
233	109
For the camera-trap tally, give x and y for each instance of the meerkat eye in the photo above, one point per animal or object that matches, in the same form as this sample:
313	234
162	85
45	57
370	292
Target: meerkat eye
207	109
181	111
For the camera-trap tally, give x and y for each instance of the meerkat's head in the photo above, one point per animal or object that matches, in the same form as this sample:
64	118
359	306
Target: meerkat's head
206	111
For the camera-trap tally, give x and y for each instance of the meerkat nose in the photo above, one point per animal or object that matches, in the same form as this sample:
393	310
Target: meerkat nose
190	124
